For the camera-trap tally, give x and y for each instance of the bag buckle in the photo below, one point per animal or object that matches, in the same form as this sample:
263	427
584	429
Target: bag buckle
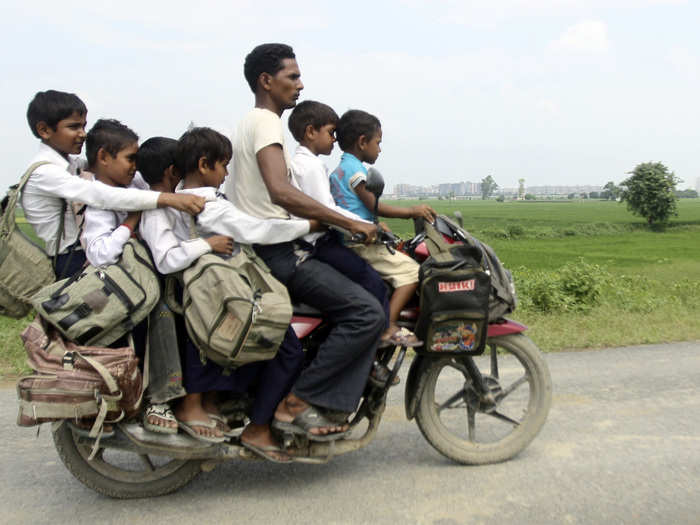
68	360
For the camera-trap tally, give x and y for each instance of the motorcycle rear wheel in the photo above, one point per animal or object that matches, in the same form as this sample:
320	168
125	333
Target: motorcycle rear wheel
461	427
121	474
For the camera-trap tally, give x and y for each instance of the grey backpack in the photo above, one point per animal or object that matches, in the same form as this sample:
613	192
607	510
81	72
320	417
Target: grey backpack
100	304
235	311
24	266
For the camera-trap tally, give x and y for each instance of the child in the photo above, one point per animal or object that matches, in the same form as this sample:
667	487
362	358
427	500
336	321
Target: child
359	135
202	155
313	125
57	119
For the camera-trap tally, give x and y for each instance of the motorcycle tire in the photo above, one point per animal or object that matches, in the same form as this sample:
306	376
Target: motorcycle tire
449	407
121	474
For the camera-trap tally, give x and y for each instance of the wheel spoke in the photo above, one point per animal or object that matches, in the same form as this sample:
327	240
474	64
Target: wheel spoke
512	387
454	397
494	361
147	462
503	417
471	422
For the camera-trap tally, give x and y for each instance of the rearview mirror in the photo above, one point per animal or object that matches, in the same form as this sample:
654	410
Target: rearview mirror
375	182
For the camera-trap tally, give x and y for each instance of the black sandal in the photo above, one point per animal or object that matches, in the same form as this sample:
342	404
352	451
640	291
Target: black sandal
305	421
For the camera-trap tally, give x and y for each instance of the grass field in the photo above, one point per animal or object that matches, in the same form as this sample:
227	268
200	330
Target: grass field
640	286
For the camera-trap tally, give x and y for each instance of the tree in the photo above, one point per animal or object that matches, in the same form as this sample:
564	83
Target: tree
521	188
488	186
571	196
649	192
594	195
613	192
529	197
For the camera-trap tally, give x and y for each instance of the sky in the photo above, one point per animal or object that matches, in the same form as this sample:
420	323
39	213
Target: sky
565	92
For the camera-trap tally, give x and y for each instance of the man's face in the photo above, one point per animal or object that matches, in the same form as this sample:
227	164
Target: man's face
121	168
286	85
69	135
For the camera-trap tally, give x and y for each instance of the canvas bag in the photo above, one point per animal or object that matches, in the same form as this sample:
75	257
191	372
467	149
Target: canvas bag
24	266
103	385
454	300
101	304
235	311
502	298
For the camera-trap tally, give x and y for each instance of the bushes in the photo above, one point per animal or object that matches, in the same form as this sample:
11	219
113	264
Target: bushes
576	287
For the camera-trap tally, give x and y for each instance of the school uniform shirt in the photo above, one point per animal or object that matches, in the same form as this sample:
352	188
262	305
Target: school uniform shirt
310	175
221	217
169	241
50	183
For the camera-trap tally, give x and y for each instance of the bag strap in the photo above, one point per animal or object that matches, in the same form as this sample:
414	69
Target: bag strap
434	240
8	218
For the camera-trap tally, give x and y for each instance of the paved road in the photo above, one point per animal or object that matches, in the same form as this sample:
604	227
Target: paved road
622	445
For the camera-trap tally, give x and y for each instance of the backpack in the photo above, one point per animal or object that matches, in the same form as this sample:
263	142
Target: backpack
235	311
100	304
24	266
502	297
454	301
102	385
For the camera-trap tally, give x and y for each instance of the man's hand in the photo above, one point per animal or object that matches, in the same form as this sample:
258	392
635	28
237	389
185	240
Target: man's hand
220	244
367	229
424	211
384	226
192	204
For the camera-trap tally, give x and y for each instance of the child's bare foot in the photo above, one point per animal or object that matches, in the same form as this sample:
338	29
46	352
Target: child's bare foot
293	406
259	440
191	413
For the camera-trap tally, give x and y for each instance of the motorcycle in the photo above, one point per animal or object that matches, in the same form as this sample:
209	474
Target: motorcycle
472	409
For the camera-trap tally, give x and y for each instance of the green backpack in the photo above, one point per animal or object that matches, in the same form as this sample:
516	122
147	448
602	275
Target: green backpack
100	304
24	266
235	311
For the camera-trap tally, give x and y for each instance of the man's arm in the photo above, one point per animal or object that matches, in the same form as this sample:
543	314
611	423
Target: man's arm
274	172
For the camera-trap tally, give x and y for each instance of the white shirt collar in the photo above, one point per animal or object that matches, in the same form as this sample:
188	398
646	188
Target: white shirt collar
304	151
48	153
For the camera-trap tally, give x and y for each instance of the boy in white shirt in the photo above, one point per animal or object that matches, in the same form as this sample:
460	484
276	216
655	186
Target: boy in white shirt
202	155
58	120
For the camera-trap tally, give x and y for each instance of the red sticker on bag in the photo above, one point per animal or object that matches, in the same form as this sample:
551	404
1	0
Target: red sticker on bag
457	286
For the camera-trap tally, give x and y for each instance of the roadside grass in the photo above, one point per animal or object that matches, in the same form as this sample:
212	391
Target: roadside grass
630	285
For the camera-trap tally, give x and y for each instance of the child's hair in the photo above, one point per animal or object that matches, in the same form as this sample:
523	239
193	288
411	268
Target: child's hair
265	58
310	113
201	142
352	125
51	107
155	156
110	135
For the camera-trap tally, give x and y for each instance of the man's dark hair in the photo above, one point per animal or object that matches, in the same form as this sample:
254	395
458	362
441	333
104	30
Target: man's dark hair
352	125
201	142
265	58
155	156
51	107
110	135
310	113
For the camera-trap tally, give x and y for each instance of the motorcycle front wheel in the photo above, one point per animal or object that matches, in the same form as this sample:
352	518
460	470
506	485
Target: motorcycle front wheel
457	421
119	473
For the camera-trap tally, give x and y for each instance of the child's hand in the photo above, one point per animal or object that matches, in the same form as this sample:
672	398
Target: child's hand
192	204
132	220
424	211
220	244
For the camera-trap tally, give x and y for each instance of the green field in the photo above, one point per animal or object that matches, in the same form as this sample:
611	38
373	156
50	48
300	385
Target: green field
631	285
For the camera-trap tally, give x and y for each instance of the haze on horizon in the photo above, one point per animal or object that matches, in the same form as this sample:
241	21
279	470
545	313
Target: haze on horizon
567	92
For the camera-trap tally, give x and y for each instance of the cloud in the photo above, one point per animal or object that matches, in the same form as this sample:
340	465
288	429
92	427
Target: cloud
684	62
585	37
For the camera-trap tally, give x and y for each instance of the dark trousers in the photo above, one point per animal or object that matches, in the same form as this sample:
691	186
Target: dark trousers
331	250
68	264
268	381
336	377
